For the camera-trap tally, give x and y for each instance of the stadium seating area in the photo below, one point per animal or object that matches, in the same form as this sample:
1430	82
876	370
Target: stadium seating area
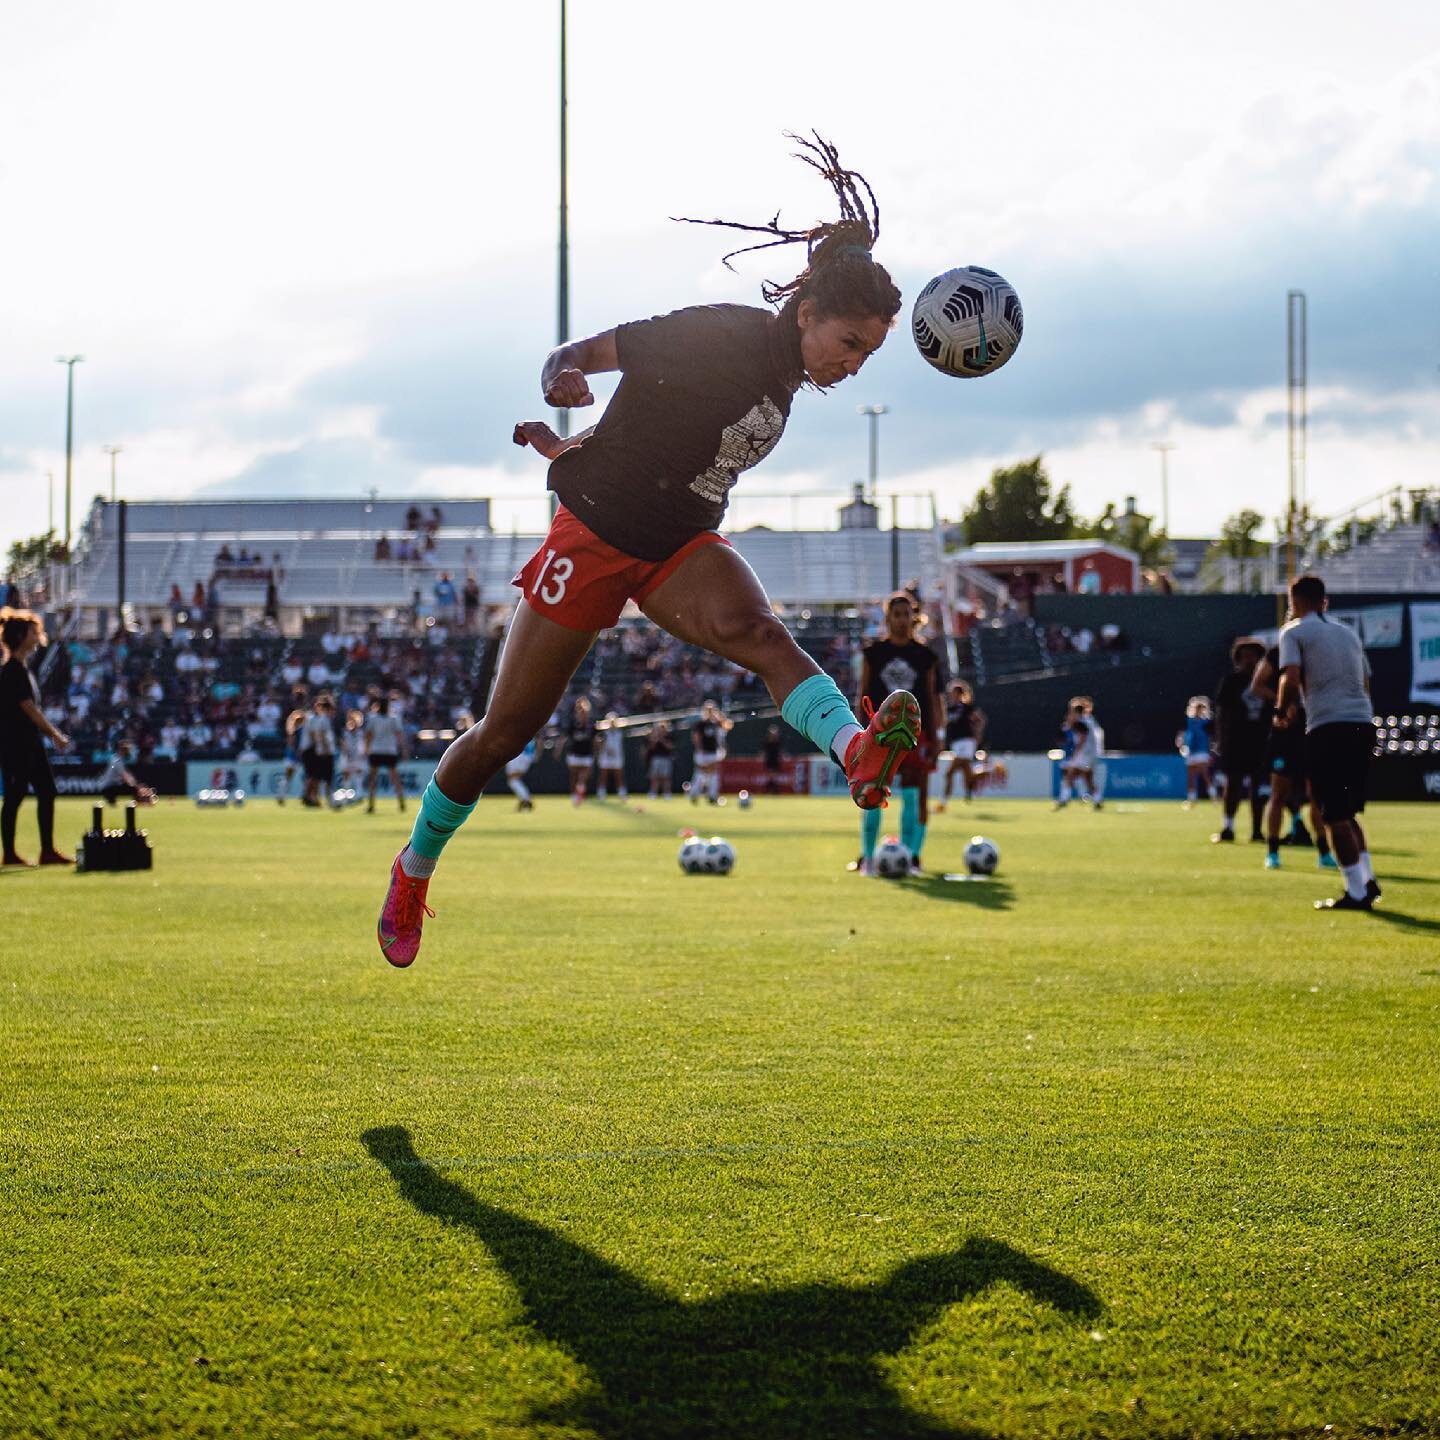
322	554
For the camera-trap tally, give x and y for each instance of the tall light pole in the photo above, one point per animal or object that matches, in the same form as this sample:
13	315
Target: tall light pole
50	504
1164	447
1296	387
112	451
874	412
562	309
70	362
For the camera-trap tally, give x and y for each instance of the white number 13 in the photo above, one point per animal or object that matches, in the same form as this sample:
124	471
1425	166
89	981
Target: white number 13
553	592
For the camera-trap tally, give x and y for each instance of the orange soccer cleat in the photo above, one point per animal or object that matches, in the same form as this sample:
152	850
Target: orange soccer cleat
871	757
403	916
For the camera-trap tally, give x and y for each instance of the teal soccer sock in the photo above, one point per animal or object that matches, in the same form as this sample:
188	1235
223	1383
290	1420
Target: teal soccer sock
817	709
869	832
439	818
912	833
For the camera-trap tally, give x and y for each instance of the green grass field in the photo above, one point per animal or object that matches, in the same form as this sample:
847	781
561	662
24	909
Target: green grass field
1127	1142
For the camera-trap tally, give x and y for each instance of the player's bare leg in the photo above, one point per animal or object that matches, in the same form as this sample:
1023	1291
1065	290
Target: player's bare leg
535	667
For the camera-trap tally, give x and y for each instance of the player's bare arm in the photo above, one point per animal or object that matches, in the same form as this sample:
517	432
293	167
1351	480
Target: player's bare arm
1288	696
1264	682
563	379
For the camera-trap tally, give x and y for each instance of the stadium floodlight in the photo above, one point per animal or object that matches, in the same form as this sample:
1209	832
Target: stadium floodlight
70	362
873	412
1164	447
112	451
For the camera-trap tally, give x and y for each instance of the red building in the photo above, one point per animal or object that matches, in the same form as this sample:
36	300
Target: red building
1033	567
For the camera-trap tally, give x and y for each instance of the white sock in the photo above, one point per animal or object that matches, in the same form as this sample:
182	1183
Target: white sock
1366	866
1227	825
600	794
1064	792
715	783
841	743
518	787
1354	880
624	793
417	867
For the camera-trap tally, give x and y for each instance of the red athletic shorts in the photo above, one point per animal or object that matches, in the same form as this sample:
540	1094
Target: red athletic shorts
578	581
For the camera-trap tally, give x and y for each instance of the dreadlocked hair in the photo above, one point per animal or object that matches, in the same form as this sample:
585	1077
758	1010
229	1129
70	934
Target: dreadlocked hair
840	276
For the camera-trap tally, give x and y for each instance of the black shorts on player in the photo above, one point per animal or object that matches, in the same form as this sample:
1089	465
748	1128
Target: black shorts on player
1337	757
1285	755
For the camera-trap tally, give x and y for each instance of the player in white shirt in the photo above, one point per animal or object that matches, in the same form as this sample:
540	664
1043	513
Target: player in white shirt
317	749
612	757
384	745
515	773
353	761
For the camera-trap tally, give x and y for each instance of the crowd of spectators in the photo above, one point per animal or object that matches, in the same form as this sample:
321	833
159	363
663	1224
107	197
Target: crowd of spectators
186	694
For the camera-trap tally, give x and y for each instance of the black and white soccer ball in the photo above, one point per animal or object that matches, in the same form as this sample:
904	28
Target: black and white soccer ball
892	859
719	858
982	856
967	322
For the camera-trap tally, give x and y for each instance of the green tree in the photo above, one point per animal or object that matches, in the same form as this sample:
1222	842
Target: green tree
1239	536
1133	531
27	557
1019	503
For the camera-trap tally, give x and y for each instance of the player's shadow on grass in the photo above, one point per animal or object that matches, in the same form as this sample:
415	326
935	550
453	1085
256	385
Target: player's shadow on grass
1404	921
797	1362
986	894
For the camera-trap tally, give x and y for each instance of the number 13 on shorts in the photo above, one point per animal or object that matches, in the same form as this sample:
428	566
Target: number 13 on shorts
551	578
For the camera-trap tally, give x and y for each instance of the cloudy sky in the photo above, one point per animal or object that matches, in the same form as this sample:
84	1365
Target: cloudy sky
310	248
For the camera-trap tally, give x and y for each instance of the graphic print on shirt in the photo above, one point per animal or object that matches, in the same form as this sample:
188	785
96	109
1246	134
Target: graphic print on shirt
898	674
745	442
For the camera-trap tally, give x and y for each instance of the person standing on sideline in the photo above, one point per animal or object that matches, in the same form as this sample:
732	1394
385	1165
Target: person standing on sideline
1242	725
704	395
317	749
23	730
384	748
899	661
772	748
1325	663
612	757
707	737
580	748
660	760
964	726
1193	742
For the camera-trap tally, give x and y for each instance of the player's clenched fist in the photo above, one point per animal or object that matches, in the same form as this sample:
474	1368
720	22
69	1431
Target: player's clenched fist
566	387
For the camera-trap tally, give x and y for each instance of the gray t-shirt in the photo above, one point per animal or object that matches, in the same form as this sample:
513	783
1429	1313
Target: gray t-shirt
1333	670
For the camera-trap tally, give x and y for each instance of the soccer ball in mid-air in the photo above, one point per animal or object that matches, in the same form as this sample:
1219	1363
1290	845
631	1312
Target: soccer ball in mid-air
968	321
892	859
982	856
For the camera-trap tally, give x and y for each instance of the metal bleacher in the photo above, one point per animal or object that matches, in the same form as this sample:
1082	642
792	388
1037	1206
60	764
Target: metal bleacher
322	554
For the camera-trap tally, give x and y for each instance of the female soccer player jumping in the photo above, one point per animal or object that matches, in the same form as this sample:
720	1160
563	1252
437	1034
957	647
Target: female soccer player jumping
704	394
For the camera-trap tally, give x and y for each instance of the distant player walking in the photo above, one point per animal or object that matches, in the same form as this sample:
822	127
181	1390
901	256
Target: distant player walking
964	728
704	395
1325	662
384	749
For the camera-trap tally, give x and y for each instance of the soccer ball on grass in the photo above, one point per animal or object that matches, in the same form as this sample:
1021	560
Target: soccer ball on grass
982	856
892	859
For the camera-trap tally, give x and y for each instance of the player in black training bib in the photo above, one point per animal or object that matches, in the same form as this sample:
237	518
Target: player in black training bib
898	660
704	395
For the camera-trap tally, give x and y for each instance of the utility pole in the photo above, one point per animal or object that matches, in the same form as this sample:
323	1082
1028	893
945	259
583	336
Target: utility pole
873	412
112	451
1164	447
70	362
50	504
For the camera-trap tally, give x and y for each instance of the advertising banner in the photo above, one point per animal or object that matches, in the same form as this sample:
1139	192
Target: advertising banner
163	777
1425	655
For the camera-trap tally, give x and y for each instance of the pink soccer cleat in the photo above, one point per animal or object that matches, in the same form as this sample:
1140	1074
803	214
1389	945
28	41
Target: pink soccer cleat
873	754
403	917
